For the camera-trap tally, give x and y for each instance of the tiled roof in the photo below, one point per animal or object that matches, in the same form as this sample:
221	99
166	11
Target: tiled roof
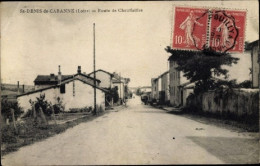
64	82
163	74
41	79
249	46
46	79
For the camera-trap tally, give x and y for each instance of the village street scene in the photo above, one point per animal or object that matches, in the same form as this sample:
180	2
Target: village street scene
101	83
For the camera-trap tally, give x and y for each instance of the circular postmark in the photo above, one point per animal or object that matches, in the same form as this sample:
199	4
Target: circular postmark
222	32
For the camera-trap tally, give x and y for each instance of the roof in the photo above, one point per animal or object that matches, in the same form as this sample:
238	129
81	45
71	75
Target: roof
249	46
117	81
164	73
85	76
102	71
46	79
145	87
155	79
58	85
188	85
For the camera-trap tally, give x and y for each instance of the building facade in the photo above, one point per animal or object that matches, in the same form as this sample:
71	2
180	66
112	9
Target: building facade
45	81
153	88
176	79
120	89
165	85
254	48
74	93
105	78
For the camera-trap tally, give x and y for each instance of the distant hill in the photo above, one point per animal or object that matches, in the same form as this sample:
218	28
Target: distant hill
11	89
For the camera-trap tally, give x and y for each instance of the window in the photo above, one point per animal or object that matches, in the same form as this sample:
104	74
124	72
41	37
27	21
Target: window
62	88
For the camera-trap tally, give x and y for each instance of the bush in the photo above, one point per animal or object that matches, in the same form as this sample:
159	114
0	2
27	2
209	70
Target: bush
245	84
59	107
41	102
6	107
84	109
46	106
113	94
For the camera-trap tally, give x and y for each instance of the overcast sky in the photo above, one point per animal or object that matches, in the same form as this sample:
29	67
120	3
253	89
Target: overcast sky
128	42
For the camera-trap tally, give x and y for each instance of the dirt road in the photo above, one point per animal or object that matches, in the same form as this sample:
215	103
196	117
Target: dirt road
140	134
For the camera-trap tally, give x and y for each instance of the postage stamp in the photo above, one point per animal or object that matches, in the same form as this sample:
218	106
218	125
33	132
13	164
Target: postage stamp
198	28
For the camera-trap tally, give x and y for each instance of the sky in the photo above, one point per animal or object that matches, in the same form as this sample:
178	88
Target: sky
130	43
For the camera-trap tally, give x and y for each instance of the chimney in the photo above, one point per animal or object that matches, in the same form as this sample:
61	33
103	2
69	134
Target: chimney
79	69
23	88
59	76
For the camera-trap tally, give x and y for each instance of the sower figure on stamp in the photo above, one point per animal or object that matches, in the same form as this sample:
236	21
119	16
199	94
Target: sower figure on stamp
225	40
188	25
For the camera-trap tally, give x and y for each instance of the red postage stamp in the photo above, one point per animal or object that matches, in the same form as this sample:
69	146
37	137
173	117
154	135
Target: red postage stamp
198	28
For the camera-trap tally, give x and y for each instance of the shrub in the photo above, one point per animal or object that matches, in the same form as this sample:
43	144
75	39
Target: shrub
113	94
59	107
6	107
245	84
43	103
84	109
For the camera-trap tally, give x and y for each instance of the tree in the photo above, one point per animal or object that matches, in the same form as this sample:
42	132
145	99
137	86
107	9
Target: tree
201	66
113	93
245	84
6	107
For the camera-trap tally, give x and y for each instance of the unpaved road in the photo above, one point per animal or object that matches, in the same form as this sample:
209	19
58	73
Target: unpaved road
139	134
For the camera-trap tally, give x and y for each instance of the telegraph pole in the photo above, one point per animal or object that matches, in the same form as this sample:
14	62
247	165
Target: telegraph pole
94	67
120	88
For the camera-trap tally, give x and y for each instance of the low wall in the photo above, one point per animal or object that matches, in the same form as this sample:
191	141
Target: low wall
240	104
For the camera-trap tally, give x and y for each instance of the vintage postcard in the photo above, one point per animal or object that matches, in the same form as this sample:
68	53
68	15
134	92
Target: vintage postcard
130	83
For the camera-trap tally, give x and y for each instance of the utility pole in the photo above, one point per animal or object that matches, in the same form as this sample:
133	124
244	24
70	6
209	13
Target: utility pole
94	67
120	88
18	88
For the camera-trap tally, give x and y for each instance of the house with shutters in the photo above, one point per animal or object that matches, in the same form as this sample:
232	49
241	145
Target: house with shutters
253	48
165	85
177	80
154	87
155	90
112	80
76	91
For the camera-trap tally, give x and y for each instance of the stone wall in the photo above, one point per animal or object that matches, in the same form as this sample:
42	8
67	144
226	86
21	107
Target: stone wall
242	104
